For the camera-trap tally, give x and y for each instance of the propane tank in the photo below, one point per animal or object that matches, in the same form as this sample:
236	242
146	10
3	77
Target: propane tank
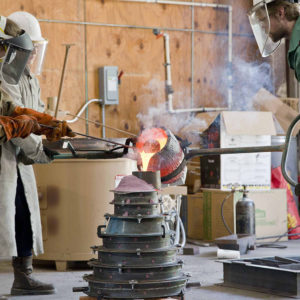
245	215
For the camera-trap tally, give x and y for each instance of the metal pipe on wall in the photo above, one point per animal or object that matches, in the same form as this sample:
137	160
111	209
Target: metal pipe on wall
83	108
192	55
86	69
103	119
169	88
185	3
221	33
101	124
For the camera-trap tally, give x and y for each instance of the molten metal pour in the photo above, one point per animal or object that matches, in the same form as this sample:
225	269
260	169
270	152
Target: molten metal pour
171	158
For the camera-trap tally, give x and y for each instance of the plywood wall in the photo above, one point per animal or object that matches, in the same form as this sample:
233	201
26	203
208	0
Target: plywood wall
138	53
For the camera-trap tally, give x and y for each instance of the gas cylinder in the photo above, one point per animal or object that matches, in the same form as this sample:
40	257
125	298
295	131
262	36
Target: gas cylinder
245	215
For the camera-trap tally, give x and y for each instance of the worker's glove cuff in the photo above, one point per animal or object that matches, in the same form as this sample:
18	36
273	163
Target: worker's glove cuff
42	118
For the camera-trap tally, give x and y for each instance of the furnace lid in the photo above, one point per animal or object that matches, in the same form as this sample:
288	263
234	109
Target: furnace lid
133	184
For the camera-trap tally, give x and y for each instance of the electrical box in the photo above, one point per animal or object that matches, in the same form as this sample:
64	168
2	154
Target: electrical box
108	85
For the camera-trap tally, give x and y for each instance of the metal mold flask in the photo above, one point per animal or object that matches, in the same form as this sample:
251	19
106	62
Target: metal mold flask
138	258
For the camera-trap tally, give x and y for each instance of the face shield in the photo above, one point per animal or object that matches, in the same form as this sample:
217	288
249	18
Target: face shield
37	57
260	22
17	52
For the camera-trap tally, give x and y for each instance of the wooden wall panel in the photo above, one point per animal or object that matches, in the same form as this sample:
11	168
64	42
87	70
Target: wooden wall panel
139	14
240	18
56	9
210	70
128	49
139	54
73	93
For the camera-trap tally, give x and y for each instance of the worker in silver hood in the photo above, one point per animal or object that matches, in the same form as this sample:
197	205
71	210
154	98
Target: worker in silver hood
275	20
20	223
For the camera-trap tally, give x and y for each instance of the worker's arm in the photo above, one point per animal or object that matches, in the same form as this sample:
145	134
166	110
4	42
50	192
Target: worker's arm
23	125
21	120
53	129
296	58
31	149
17	126
20	126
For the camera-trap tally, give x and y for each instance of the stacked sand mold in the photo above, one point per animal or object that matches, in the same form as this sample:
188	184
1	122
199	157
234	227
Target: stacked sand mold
138	258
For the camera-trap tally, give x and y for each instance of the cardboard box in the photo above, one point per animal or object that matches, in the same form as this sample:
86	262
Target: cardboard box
238	129
270	213
192	180
195	216
291	102
265	101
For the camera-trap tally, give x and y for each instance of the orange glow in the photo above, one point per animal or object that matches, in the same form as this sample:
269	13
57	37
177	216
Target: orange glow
145	159
149	143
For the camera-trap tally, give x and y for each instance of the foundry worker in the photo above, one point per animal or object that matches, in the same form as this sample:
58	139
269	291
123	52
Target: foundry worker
274	20
20	225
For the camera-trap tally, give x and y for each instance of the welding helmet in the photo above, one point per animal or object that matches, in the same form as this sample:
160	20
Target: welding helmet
15	52
30	24
260	22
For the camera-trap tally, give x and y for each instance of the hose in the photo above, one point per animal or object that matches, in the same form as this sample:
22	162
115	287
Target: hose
285	152
180	232
177	236
183	234
281	235
222	214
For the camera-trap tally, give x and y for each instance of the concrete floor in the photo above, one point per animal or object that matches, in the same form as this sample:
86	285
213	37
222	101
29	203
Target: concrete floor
203	267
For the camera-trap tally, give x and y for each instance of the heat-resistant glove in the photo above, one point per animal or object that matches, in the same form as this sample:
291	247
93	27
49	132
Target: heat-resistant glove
20	126
41	117
59	130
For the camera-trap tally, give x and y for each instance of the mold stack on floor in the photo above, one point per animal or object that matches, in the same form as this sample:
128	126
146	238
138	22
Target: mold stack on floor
138	258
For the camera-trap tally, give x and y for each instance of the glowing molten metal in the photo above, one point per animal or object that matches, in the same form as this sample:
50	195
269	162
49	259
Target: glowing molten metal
149	143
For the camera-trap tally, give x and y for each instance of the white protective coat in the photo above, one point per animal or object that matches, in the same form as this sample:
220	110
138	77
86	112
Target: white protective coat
15	154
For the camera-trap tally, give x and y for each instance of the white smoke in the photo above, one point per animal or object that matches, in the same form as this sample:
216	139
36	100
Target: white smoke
248	79
186	125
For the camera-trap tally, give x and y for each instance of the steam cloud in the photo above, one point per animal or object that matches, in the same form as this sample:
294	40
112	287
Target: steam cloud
248	78
185	125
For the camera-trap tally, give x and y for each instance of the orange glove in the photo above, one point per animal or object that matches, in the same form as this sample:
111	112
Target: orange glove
20	126
61	127
40	117
54	134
